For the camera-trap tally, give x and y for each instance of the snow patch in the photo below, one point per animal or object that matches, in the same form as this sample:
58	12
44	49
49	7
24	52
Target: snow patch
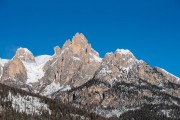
127	69
97	54
35	70
27	104
42	59
3	61
114	112
25	50
96	58
109	53
104	72
76	58
166	72
124	51
54	87
167	113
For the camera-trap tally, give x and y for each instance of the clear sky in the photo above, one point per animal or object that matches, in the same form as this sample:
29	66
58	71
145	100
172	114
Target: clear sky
149	28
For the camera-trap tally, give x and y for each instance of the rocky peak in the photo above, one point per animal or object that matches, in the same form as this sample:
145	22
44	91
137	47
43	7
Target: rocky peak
79	47
67	44
116	66
108	57
57	50
120	57
76	64
14	70
25	55
124	53
124	57
79	43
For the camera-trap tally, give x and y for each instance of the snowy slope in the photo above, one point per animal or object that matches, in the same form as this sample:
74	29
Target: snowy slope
166	72
3	61
124	51
54	87
42	59
27	104
35	70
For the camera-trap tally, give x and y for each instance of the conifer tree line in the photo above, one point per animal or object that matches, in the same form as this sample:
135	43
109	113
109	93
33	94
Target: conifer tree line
59	110
65	111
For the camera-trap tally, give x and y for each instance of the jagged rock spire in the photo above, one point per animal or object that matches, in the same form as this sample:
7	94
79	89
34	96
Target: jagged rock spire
76	63
79	43
57	50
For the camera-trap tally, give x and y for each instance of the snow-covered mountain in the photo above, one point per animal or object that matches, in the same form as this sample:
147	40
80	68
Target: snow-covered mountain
112	86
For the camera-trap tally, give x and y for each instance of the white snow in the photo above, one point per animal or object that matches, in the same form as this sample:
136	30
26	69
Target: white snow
127	69
168	73
24	49
96	58
54	87
42	59
3	61
109	53
167	113
27	104
124	51
76	58
104	71
114	112
35	70
95	52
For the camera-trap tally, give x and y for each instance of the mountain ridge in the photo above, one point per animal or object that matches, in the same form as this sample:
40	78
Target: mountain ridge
75	73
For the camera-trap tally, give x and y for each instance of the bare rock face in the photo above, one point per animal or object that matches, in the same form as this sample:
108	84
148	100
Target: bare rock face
123	66
79	42
117	66
1	71
75	64
168	75
123	83
14	70
57	50
25	55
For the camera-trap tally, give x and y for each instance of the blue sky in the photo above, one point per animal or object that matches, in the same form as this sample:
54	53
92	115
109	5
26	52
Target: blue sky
149	28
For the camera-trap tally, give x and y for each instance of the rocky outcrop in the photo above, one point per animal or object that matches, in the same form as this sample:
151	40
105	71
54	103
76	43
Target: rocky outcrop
74	65
1	71
25	55
14	70
117	66
57	50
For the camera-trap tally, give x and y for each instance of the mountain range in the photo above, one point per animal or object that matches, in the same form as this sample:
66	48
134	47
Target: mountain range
118	86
